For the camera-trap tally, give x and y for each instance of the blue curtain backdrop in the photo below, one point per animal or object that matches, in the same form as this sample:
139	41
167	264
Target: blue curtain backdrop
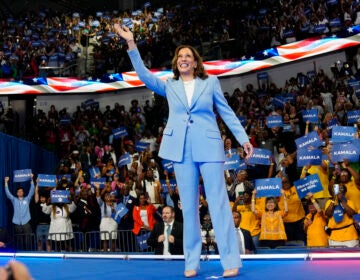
18	154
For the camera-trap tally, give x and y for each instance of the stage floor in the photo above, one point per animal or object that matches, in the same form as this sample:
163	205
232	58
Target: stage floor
138	267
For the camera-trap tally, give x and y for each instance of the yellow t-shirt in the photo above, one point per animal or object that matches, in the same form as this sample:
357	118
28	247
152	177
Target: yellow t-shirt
345	234
316	235
353	194
296	210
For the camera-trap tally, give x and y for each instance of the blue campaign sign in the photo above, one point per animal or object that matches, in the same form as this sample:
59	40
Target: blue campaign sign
141	146
46	180
172	183
124	159
22	175
308	184
274	121
311	115
347	151
278	101
309	156
232	162
64	176
242	165
260	156
352	116
343	133
310	140
101	181
268	187
142	240
168	165
60	196
242	120
331	123
120	212
119	132
94	171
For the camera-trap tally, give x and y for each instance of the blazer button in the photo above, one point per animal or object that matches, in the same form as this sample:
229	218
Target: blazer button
191	121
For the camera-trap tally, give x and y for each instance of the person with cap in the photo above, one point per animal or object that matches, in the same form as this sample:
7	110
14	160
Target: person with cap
192	140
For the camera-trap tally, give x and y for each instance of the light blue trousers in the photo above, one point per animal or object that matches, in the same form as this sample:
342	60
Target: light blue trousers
187	177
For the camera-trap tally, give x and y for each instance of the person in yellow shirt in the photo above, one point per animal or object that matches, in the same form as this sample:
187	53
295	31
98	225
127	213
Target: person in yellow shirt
340	211
249	220
348	177
294	220
314	224
323	172
272	232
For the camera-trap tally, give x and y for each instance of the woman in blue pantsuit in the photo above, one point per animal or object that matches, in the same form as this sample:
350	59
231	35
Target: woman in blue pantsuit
192	140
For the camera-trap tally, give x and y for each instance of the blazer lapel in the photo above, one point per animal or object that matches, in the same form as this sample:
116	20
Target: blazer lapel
179	91
198	90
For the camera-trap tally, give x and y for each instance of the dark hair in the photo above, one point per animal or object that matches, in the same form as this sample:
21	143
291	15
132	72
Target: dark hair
19	188
199	71
275	201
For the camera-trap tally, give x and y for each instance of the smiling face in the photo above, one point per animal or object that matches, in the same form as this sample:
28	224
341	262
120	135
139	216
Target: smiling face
186	62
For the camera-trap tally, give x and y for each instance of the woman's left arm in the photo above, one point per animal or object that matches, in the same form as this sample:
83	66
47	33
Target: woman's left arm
229	117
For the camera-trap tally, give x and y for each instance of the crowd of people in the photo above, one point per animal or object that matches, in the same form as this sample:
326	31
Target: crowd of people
144	183
76	43
85	143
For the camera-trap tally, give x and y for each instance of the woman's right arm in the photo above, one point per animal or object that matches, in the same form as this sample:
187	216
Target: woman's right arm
149	79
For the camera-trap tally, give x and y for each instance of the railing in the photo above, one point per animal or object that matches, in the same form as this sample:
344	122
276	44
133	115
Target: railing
95	241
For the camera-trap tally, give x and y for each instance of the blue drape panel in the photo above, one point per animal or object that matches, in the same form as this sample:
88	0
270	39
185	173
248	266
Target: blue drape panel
18	154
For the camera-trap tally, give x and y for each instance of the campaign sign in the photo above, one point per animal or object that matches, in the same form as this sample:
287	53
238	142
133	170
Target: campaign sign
141	146
168	165
22	175
94	171
310	140
343	133
356	143
347	151
260	156
120	212
60	196
124	159
308	184
45	180
119	132
242	120
278	101
172	183
311	115
230	152
308	156
274	121
352	116
232	162
331	123
242	165
142	240
101	181
65	121
268	187
64	176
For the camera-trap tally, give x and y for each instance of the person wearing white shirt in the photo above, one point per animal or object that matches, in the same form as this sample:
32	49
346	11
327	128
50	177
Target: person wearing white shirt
166	238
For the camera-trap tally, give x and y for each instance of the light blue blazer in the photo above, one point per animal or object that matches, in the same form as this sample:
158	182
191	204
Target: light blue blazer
207	145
